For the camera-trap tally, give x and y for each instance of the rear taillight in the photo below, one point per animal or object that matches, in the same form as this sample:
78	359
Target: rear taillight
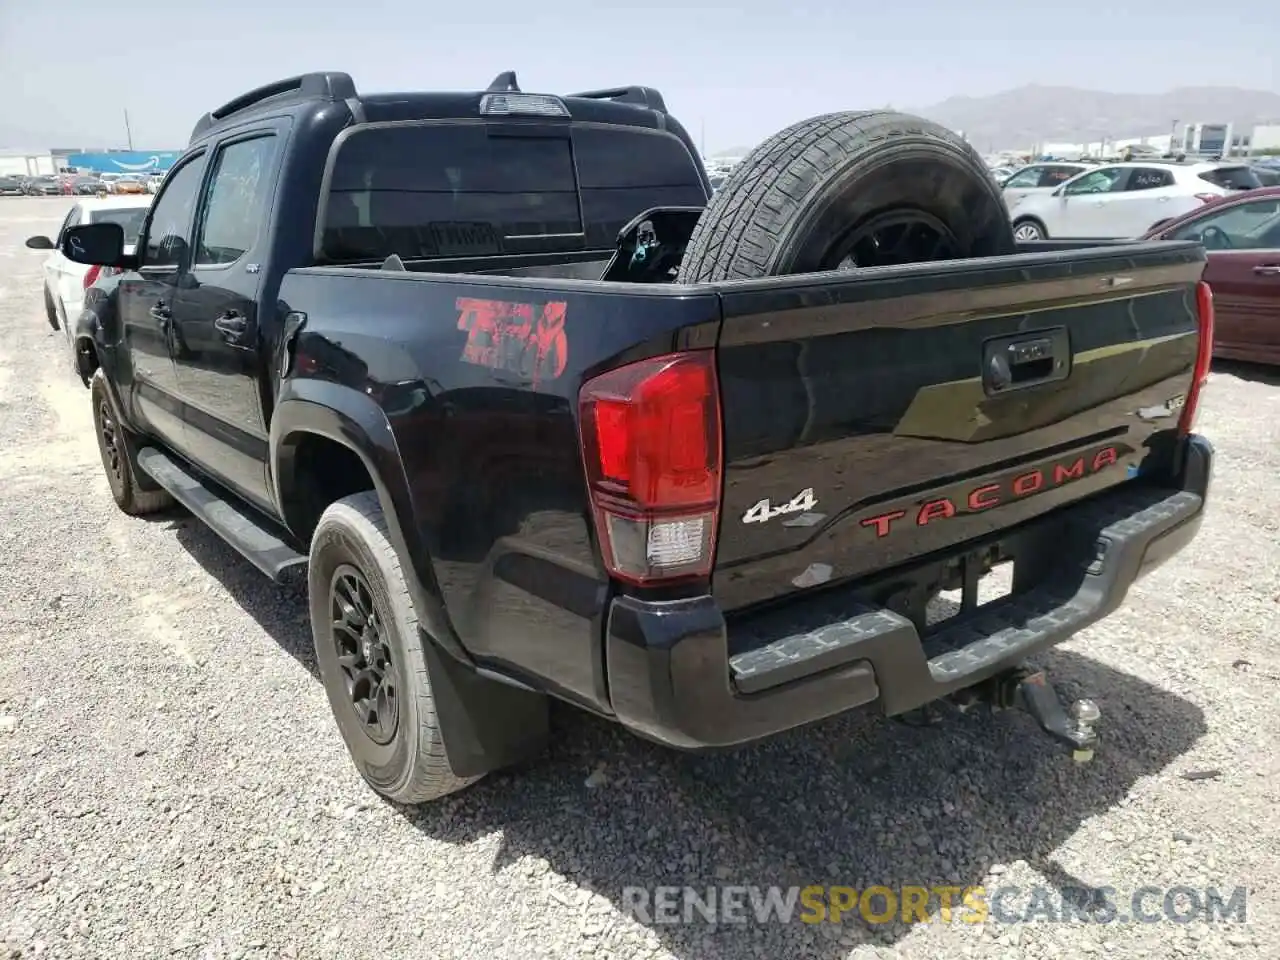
651	446
91	276
1204	356
1208	197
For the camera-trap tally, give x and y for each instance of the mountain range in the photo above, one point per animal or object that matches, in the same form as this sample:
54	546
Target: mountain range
1014	119
1020	118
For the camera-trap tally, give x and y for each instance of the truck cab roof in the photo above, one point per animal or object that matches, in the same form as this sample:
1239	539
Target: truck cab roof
431	175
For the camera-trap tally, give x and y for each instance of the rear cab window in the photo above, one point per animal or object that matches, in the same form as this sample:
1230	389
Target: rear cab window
1232	178
439	189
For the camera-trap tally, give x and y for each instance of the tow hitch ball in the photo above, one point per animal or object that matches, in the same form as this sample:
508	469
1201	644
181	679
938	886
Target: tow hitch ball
1031	691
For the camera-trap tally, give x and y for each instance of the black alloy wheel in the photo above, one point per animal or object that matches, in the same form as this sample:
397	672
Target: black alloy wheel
363	650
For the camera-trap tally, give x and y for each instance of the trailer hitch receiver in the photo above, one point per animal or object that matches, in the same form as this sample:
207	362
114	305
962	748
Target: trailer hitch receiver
1031	691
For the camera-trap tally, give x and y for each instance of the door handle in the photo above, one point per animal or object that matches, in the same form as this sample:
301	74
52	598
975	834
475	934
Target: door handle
1268	270
231	324
160	312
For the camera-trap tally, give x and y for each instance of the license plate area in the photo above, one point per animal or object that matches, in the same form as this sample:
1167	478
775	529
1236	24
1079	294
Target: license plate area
968	582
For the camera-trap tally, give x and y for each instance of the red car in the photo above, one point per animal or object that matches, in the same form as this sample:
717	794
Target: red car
1241	234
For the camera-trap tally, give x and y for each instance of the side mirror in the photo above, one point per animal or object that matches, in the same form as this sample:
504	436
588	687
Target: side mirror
94	244
40	243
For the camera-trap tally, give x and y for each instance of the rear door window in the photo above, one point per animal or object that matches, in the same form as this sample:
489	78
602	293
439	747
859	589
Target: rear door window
1106	180
1232	178
1149	178
1056	176
459	189
237	200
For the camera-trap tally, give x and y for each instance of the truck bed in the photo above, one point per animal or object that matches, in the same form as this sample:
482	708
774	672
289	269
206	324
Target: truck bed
861	402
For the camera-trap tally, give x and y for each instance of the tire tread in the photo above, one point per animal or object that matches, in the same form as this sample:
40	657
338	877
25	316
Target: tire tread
431	776
744	225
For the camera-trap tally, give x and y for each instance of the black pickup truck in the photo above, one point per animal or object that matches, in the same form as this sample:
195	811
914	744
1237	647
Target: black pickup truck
447	352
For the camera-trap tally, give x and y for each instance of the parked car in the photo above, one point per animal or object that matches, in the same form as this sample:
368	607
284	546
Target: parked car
109	181
85	186
154	181
46	185
11	186
1126	199
131	184
65	280
1241	236
1038	178
540	417
1268	176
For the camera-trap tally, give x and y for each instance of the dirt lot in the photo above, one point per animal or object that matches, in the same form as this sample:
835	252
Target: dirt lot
171	782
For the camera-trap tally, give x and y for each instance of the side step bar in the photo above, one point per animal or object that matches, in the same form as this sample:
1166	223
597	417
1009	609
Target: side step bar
237	525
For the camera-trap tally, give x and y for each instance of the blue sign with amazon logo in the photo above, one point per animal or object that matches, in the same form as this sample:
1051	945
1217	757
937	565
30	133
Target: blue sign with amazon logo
124	161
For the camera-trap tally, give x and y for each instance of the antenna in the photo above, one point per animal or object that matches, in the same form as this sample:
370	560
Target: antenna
504	82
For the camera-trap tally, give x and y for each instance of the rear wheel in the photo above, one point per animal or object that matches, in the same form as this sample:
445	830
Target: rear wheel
1026	231
50	309
369	647
849	190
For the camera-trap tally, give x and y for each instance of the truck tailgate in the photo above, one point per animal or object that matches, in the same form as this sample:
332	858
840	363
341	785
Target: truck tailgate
880	417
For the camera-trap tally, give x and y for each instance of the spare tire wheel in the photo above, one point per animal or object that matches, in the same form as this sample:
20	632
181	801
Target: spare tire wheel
844	190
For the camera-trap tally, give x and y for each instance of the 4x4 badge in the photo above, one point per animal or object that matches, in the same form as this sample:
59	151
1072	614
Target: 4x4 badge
762	512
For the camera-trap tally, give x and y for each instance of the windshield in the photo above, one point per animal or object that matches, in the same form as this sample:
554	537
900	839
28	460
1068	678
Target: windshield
129	218
1232	178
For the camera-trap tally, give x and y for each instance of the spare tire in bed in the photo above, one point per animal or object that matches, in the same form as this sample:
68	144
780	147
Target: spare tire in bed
843	190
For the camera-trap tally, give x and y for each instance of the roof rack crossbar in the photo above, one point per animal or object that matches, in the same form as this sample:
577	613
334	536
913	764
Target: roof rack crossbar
327	85
641	96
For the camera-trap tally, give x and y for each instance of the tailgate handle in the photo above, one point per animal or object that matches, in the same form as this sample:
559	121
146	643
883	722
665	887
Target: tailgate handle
1025	360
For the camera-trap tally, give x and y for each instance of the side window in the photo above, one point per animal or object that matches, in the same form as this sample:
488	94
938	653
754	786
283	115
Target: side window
169	232
1099	181
1056	176
1027	177
1149	178
235	206
1243	226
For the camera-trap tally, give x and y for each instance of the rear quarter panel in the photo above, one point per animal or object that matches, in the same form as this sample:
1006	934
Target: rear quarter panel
479	383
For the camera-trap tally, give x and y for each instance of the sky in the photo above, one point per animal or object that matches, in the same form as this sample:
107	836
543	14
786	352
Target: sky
733	74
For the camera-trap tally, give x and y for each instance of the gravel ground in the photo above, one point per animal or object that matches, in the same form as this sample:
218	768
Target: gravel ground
171	782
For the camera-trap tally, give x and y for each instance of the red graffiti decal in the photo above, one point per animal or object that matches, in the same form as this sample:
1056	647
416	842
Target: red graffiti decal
516	337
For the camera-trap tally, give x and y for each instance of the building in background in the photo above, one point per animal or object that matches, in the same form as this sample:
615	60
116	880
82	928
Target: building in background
26	163
1265	139
115	161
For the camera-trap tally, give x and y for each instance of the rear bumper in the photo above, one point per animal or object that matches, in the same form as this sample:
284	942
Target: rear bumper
679	674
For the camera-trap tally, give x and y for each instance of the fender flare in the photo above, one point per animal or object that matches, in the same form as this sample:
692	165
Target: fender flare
352	419
88	327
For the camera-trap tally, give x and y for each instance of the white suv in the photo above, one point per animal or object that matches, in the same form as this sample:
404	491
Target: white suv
1126	199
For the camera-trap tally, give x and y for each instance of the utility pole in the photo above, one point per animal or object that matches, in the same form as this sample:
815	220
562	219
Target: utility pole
128	133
